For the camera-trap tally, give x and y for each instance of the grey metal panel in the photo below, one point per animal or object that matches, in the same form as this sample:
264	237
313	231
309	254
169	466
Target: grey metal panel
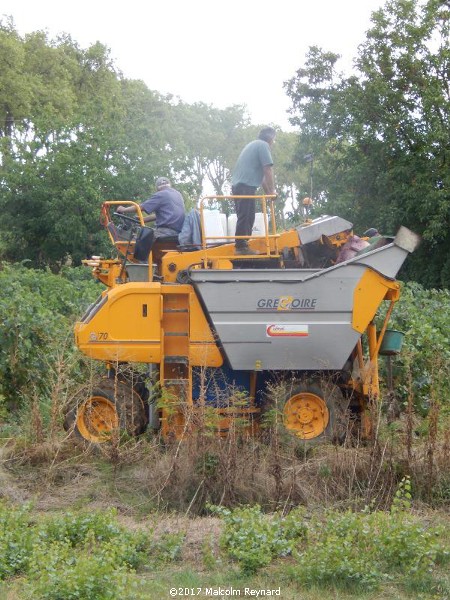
324	225
387	260
314	319
333	292
290	318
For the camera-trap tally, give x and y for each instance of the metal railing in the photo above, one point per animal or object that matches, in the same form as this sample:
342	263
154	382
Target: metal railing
267	201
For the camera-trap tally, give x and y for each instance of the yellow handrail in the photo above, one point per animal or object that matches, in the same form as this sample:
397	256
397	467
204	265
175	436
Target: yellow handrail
267	236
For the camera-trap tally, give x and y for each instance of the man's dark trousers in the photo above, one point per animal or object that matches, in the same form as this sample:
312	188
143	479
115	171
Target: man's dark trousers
245	211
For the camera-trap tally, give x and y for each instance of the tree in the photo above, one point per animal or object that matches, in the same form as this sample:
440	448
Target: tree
76	133
382	135
212	137
53	161
293	177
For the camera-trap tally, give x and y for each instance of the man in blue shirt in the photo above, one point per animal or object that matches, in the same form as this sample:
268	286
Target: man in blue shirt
254	168
165	207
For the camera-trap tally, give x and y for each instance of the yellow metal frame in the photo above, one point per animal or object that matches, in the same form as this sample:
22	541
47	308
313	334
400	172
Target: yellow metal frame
371	291
125	248
215	257
129	326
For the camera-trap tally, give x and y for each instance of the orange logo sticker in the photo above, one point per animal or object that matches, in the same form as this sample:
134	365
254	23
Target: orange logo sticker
287	330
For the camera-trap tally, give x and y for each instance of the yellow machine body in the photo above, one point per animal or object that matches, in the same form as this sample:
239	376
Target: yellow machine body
135	323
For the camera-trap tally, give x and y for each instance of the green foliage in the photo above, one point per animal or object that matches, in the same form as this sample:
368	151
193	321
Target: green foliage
253	541
423	367
92	572
211	139
24	540
167	548
97	528
74	132
402	497
84	556
90	556
37	309
16	539
364	550
333	554
53	164
380	136
339	549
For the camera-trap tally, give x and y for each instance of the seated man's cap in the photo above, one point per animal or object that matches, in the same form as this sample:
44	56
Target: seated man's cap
162	181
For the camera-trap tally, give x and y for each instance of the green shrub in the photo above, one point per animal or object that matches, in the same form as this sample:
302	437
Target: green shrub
335	554
423	367
93	572
339	549
167	548
254	540
366	549
85	556
99	528
37	310
17	538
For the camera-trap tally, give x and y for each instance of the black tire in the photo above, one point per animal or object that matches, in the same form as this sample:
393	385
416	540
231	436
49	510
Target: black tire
96	412
310	411
131	378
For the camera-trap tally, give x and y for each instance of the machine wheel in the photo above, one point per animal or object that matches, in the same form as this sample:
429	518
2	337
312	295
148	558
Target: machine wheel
314	412
94	414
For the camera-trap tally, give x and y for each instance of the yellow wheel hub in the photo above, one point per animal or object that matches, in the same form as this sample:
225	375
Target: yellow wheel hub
97	418
306	415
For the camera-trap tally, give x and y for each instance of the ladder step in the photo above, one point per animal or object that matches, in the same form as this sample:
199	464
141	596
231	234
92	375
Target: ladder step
176	382
176	333
177	359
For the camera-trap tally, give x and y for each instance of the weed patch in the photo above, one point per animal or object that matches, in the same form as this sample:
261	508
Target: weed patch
86	556
254	541
347	550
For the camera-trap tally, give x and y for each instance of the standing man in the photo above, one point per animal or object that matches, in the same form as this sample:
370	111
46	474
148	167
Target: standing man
168	208
254	168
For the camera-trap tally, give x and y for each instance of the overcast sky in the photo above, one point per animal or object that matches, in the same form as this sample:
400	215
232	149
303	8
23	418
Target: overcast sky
221	53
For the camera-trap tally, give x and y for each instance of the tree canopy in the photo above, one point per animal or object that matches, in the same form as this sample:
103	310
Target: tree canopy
381	137
74	132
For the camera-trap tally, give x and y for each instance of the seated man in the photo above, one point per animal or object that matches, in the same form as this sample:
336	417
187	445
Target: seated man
165	207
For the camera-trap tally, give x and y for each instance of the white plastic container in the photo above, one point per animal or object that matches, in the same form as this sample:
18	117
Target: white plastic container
232	220
259	228
214	226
